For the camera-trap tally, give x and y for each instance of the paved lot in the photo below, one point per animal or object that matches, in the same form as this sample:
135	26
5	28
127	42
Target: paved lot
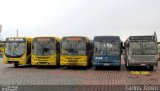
30	75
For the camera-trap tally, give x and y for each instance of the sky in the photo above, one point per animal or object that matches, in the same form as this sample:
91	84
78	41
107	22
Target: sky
80	18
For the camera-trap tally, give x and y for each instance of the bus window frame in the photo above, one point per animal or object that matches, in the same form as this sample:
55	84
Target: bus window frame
25	41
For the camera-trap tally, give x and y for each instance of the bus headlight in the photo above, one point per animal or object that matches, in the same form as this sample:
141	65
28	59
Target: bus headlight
23	58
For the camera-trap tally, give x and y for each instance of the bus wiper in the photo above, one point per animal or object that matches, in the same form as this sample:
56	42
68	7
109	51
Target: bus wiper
70	49
15	48
17	45
44	49
76	46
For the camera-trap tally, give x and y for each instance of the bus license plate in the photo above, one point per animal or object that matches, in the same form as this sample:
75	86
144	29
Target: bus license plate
106	64
72	63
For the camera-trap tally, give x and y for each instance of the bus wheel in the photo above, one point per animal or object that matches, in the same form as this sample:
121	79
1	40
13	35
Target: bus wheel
118	67
15	65
128	67
151	68
97	67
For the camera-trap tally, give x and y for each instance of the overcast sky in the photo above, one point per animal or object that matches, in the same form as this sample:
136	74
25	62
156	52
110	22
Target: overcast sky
80	17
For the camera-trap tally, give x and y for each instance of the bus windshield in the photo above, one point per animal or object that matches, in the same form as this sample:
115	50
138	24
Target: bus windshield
14	48
106	48
142	48
73	47
43	46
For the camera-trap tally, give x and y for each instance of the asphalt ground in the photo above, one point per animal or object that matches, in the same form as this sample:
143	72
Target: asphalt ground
51	78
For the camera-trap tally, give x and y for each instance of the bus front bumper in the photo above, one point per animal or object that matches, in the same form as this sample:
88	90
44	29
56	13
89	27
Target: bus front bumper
44	63
106	64
78	63
14	62
144	63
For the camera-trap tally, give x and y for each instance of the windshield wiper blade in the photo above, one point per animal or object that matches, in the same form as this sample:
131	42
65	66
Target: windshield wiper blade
76	46
44	49
70	49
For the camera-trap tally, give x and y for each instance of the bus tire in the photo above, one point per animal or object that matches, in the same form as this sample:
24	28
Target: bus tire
16	65
97	67
118	67
128	67
151	68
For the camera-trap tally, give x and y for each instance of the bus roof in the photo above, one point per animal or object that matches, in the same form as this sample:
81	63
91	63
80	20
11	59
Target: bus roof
107	38
18	37
27	38
141	38
57	38
83	37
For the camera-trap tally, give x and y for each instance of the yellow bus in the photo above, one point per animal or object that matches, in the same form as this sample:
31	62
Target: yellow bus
46	51
76	51
1	47
17	51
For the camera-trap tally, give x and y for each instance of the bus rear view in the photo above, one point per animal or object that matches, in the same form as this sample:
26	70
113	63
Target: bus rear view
107	51
141	51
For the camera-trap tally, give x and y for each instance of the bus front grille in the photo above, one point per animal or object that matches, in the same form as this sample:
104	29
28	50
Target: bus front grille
42	60
72	60
42	57
143	58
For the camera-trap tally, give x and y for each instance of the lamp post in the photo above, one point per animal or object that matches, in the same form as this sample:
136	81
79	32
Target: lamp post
17	32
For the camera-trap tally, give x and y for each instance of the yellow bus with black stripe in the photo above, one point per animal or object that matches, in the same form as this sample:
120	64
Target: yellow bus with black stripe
1	47
46	51
17	51
76	51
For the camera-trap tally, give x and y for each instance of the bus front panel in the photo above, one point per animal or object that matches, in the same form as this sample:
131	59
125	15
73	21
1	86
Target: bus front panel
74	52
11	60
15	51
44	51
106	54
44	60
74	60
141	53
102	60
142	60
